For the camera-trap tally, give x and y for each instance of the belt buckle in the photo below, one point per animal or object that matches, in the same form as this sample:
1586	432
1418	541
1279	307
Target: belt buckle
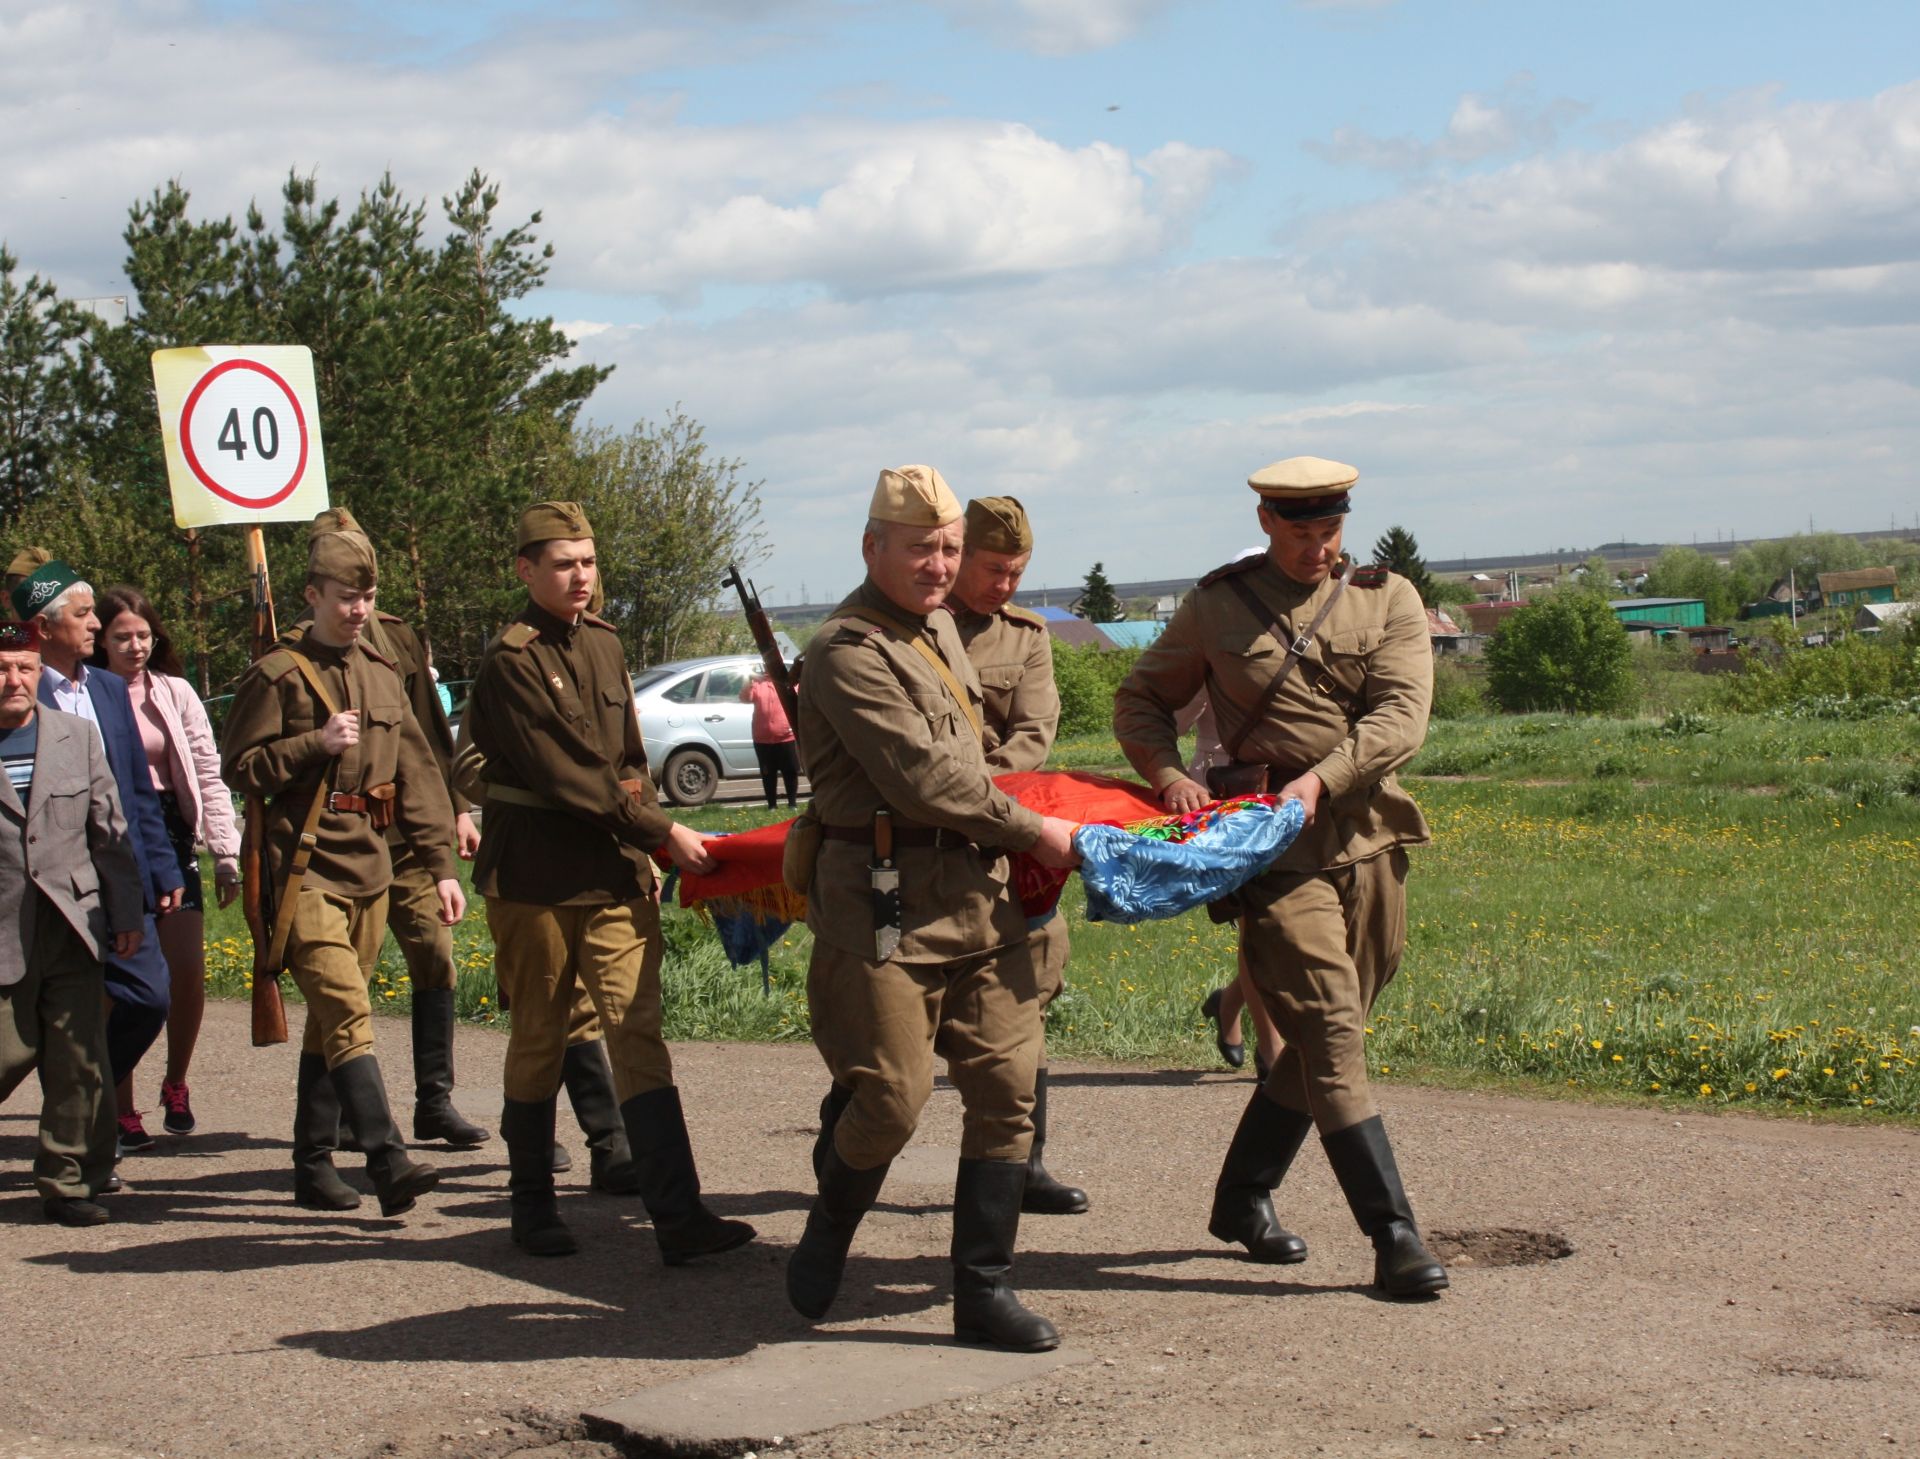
334	796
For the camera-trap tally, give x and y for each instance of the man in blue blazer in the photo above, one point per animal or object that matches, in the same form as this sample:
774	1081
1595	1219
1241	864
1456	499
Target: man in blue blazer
137	986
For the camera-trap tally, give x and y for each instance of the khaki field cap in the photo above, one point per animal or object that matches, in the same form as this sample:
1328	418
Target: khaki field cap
551	522
338	549
25	561
1304	488
998	524
916	496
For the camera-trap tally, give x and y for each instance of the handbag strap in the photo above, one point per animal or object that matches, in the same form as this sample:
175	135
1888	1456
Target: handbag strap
1295	650
932	656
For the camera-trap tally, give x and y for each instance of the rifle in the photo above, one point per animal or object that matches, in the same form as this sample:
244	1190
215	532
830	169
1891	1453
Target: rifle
763	639
256	890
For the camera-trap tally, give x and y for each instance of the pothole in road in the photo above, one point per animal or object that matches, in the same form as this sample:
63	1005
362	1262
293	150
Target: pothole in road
1498	1246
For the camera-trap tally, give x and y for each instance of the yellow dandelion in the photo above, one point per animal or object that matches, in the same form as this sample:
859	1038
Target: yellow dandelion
1706	1089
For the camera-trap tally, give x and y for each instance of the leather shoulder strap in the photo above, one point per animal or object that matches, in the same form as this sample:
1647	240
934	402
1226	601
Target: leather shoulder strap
1295	651
312	676
932	655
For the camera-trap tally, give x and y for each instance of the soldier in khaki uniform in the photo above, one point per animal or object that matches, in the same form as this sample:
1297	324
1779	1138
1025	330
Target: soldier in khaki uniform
571	816
328	719
920	945
1324	926
413	905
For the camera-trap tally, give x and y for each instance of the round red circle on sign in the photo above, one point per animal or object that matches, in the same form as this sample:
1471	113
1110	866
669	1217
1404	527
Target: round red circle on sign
206	477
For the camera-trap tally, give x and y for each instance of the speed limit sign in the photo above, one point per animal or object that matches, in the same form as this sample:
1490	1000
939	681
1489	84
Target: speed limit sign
242	433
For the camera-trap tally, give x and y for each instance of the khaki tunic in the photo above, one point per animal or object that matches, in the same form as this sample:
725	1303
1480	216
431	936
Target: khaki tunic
1325	926
273	750
1012	652
880	729
570	886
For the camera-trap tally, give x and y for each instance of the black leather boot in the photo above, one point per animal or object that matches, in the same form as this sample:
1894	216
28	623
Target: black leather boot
589	1080
1044	1195
527	1127
835	1103
434	1117
1363	1163
820	1260
363	1101
669	1183
316	1135
1268	1137
986	1219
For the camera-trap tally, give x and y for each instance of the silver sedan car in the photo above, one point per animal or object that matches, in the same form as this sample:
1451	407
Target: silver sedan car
697	730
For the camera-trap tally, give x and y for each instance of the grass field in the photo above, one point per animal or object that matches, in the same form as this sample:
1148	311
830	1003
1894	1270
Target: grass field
1715	910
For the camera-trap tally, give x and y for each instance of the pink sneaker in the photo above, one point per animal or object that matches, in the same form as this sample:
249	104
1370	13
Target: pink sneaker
133	1134
173	1099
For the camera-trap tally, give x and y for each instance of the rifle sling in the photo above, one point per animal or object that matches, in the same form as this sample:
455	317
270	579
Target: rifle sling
932	656
304	848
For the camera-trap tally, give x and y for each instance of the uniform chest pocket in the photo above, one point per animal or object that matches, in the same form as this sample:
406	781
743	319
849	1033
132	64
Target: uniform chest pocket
1249	644
1353	642
938	709
68	809
1000	678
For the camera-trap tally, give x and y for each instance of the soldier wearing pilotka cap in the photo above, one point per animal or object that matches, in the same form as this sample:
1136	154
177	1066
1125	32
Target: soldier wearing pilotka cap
321	730
1320	673
920	943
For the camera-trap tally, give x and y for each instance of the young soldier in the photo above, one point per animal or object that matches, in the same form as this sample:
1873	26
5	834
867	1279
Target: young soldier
322	731
919	940
571	816
1324	926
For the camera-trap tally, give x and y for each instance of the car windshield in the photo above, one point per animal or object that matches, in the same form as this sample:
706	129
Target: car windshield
647	678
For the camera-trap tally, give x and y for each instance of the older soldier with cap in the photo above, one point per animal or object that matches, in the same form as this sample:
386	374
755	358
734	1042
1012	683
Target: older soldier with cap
920	945
321	729
413	903
571	817
1320	674
1012	652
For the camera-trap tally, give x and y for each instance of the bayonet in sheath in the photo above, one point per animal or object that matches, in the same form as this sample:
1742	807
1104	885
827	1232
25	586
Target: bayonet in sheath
884	878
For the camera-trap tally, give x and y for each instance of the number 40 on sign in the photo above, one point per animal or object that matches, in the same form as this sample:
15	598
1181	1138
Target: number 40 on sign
241	426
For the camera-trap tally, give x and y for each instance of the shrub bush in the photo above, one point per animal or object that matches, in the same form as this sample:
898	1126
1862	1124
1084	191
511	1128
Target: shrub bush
1853	669
1566	652
1087	678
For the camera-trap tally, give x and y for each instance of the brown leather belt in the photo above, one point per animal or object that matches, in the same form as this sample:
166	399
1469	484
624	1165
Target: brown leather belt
902	835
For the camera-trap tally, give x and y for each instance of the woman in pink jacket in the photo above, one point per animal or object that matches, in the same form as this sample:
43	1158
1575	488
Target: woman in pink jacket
186	771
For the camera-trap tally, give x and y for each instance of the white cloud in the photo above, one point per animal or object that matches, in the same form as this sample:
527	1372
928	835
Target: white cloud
1480	127
1055	27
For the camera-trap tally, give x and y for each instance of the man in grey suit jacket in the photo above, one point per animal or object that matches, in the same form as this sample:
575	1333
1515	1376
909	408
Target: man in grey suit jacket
69	895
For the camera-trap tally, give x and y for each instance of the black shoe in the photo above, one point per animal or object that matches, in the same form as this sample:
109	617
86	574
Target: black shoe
133	1138
178	1104
589	1081
527	1127
561	1161
670	1184
1363	1163
986	1219
1264	1145
316	1135
1045	1196
75	1211
434	1117
112	1185
1261	1068
820	1260
832	1105
398	1180
1234	1054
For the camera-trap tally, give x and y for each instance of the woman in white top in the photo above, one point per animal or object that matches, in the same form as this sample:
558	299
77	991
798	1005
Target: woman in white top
186	771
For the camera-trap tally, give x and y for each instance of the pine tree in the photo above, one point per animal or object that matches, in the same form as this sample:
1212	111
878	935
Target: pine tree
1097	601
1399	551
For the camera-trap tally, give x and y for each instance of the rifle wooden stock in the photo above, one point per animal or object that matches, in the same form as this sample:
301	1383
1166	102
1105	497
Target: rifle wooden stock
269	1009
763	639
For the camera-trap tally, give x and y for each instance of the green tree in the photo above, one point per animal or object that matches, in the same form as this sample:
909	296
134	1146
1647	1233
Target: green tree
1398	550
47	385
1684	572
1098	604
1567	651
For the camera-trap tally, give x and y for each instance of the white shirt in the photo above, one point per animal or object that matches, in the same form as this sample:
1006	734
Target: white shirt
70	694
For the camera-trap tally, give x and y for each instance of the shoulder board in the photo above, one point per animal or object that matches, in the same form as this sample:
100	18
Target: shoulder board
379	658
294	633
1372	576
851	630
517	635
589	619
1016	614
386	617
276	665
1227	570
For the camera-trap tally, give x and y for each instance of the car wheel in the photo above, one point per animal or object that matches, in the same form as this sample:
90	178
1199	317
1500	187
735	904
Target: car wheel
691	777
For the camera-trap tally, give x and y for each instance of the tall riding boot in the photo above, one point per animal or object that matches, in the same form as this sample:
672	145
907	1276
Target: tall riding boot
527	1127
669	1183
986	1219
832	1106
1268	1137
1363	1163
589	1080
363	1100
820	1260
434	1117
1046	1196
316	1135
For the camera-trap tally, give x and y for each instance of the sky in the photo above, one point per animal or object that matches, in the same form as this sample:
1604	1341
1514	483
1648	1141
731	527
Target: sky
1549	276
